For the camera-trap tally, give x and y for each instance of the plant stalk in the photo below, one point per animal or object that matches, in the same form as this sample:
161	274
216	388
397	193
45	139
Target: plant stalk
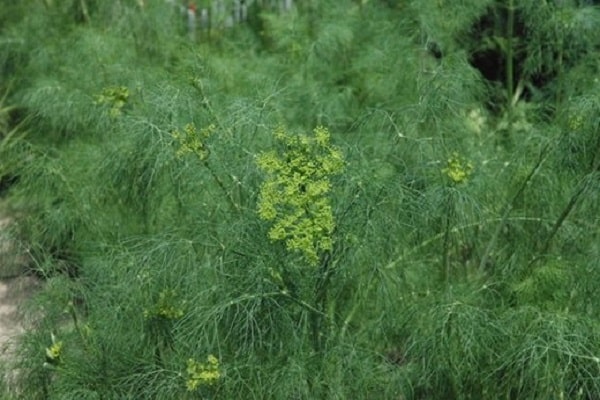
446	242
509	206
510	31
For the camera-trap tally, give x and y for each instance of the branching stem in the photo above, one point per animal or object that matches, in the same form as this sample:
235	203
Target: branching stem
510	204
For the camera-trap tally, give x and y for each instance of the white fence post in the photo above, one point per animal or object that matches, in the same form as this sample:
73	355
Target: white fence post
191	21
222	13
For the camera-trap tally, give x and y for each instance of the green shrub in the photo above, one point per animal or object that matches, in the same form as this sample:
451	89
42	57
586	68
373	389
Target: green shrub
436	236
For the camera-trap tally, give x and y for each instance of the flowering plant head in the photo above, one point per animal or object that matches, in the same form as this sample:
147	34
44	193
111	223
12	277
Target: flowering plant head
166	307
54	351
199	374
116	97
575	122
294	195
192	141
457	169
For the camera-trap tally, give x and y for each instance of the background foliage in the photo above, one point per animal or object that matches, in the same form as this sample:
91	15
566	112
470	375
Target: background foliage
466	244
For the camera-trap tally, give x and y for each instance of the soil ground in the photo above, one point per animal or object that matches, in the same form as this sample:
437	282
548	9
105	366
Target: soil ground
13	292
15	288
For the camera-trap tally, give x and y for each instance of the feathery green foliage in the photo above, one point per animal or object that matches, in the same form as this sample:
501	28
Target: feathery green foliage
189	252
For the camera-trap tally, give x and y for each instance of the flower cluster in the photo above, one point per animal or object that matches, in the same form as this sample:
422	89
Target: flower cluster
575	122
294	195
115	97
458	170
192	141
476	121
54	351
165	307
199	374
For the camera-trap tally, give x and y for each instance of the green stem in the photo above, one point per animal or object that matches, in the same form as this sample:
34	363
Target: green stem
321	297
355	308
221	185
84	11
318	319
559	222
509	206
198	85
446	241
567	210
510	31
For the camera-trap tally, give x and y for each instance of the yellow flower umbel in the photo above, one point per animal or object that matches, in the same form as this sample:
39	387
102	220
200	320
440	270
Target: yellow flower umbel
575	122
54	352
192	141
115	97
165	307
458	170
294	195
199	374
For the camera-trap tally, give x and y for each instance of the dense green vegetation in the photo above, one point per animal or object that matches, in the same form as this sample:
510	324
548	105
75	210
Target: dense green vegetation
349	200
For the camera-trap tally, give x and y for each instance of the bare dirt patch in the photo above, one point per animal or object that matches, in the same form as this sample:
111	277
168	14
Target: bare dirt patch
15	289
13	293
13	258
